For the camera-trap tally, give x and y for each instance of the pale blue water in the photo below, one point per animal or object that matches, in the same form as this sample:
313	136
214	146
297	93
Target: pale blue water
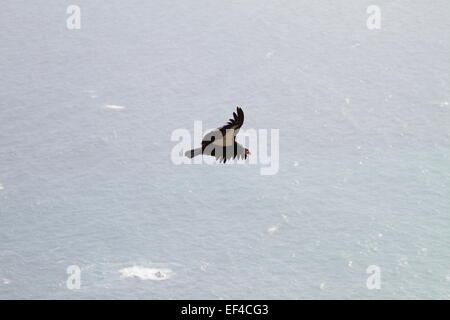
364	177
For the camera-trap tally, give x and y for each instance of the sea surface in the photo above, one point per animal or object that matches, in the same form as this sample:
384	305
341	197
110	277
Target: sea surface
87	182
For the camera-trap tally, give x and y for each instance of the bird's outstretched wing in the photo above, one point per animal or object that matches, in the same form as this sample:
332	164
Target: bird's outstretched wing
225	135
235	123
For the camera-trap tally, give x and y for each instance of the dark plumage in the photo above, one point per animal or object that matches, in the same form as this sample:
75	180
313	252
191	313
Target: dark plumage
221	143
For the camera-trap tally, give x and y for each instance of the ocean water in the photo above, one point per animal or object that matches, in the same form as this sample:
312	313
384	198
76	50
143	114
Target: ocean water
87	180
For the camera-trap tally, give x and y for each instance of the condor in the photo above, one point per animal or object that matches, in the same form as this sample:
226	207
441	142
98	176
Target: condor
221	143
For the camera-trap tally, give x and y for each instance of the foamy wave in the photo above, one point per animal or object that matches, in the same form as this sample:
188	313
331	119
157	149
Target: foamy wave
273	228
113	106
146	273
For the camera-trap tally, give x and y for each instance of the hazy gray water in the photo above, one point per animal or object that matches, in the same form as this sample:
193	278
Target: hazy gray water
364	149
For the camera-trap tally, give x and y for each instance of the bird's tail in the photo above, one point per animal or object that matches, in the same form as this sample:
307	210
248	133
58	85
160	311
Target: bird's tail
194	152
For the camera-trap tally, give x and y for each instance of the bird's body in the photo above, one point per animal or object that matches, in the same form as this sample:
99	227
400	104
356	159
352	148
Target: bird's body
221	143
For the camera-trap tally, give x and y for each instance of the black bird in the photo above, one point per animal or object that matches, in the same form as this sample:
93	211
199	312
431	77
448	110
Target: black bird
221	143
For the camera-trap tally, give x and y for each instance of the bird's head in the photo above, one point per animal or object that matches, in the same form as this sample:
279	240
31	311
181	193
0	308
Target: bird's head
247	152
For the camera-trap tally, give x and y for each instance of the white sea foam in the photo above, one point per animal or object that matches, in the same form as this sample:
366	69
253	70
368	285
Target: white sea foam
273	228
146	273
114	107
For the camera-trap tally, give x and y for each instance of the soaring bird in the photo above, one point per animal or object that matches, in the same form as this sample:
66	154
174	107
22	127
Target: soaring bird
221	143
